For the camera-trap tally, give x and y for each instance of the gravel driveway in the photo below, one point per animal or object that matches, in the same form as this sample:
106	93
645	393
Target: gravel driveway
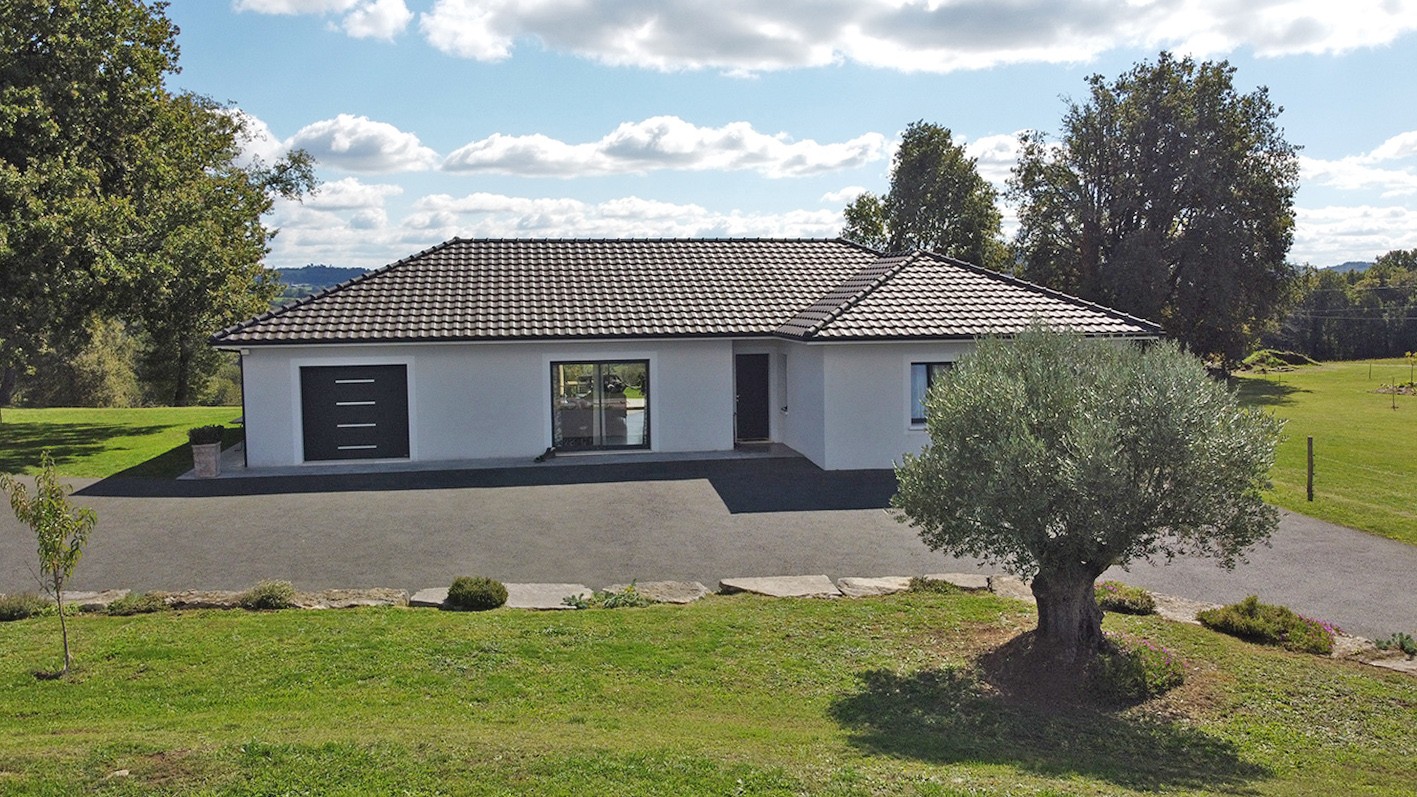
599	524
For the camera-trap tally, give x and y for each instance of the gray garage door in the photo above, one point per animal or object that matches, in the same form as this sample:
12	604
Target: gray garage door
354	411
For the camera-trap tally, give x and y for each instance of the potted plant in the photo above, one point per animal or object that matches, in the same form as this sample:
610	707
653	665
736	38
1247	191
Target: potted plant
206	450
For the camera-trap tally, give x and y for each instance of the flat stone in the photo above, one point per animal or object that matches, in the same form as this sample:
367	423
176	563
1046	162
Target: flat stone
666	591
1011	587
855	587
543	596
783	586
351	598
973	582
433	596
1403	665
202	599
92	601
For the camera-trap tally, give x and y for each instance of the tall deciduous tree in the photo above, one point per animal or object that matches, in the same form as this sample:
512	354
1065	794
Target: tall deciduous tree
1059	456
205	241
120	198
80	85
937	201
1169	196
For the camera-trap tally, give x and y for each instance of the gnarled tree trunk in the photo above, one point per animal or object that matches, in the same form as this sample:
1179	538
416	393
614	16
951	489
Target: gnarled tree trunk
1069	620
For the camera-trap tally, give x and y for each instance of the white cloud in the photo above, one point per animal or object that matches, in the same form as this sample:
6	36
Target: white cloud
1331	235
994	156
1390	169
293	6
349	193
377	19
664	142
363	19
259	143
367	237
485	214
912	36
360	144
841	196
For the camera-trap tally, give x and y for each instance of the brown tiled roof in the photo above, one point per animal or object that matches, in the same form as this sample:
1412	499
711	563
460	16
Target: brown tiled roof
526	289
927	295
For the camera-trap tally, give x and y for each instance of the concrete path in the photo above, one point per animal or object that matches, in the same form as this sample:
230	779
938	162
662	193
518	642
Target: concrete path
610	523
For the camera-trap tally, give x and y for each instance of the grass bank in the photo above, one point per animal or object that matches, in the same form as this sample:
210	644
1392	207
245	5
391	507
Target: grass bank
97	443
1365	452
732	695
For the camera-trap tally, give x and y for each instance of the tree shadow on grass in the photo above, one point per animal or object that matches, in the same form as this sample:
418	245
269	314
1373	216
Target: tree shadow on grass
1267	393
22	443
946	716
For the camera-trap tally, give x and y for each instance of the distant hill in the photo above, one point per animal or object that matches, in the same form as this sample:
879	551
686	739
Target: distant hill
306	280
1352	265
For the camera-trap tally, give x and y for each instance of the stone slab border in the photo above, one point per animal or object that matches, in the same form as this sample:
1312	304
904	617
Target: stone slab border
545	596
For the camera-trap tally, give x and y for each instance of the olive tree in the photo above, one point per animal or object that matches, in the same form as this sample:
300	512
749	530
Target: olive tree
60	530
1059	456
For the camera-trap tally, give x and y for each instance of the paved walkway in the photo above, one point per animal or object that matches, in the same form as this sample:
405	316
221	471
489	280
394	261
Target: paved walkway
606	523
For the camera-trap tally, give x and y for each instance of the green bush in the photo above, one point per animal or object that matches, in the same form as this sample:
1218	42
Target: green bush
267	595
1398	641
22	605
476	593
935	585
205	435
1127	672
1270	625
628	598
137	603
1114	596
1273	359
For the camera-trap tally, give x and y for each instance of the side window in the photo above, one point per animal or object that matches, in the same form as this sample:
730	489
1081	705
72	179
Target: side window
922	378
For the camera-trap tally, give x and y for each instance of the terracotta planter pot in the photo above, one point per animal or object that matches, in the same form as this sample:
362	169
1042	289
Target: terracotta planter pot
206	459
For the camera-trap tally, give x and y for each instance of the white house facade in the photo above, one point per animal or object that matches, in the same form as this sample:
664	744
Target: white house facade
497	349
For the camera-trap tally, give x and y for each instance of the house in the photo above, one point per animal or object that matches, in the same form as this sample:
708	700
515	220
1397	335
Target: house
478	349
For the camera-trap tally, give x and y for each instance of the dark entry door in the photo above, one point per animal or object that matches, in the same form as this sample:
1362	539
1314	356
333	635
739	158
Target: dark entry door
354	412
751	382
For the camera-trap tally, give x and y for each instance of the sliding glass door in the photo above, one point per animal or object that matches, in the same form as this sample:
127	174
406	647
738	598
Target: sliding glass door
600	405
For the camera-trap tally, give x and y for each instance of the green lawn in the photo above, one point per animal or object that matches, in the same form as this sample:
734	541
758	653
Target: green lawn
1365	452
732	695
97	443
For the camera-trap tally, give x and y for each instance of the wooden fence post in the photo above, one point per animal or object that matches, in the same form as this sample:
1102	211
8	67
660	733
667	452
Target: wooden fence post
1311	467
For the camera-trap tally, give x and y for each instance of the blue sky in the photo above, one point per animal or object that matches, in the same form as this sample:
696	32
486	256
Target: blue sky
571	118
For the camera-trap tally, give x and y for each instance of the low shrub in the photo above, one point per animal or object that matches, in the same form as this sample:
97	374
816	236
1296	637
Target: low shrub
1130	672
628	598
476	593
23	605
1270	625
204	435
1398	641
1114	596
267	596
936	585
137	603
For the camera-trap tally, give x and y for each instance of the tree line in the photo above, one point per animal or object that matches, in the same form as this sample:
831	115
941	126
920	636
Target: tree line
130	222
1352	315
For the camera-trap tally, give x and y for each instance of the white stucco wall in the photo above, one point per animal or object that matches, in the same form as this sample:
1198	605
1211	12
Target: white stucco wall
802	424
475	401
866	391
847	405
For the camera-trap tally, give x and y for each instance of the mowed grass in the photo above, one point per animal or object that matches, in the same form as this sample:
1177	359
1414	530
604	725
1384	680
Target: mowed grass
731	695
97	443
1365	452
